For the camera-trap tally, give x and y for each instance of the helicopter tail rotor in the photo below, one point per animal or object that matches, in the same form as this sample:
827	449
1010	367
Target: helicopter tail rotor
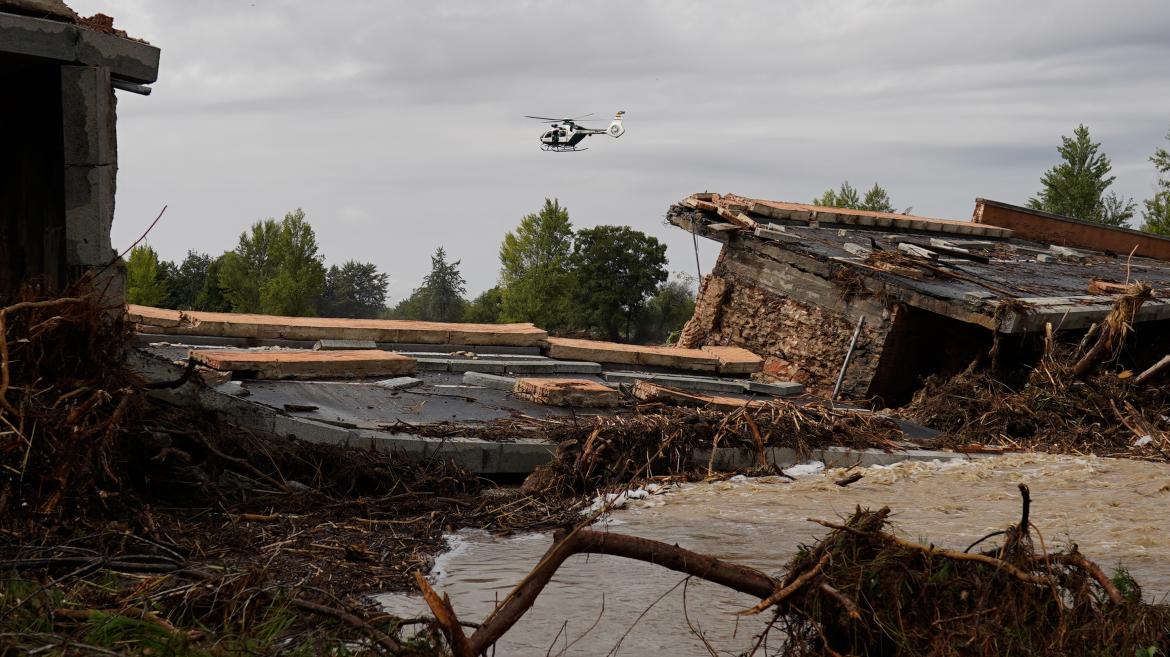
616	129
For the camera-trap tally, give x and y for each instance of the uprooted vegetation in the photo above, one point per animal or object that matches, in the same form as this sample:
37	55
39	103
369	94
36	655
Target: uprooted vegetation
1077	399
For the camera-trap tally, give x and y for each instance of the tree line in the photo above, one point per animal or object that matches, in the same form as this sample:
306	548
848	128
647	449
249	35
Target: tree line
607	281
1077	186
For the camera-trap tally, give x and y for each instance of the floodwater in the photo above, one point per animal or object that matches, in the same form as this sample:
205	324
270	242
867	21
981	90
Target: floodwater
1116	510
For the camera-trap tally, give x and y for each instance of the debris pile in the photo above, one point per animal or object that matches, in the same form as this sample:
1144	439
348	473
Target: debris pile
659	440
130	526
1077	399
865	591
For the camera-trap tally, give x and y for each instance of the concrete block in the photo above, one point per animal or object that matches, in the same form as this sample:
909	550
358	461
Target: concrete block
311	431
776	235
399	383
492	381
343	345
433	364
552	367
475	365
780	389
695	383
857	249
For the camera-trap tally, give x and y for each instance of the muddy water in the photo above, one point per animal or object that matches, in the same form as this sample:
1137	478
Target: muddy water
1116	511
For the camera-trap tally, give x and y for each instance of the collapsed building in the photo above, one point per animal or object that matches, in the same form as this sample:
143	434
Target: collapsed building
58	166
872	303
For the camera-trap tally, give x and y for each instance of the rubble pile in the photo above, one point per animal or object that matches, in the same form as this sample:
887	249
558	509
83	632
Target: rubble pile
659	440
1079	398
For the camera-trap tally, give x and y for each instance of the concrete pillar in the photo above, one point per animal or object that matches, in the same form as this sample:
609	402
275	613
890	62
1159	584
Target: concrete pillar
91	168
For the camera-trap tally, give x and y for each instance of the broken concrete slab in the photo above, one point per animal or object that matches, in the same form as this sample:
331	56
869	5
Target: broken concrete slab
629	354
655	393
552	367
577	393
695	383
399	383
735	360
778	389
174	322
490	381
344	345
306	364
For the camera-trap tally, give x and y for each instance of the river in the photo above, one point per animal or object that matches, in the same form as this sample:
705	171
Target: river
1114	509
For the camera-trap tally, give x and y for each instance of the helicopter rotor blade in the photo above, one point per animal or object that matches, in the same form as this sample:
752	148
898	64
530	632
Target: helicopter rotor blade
541	118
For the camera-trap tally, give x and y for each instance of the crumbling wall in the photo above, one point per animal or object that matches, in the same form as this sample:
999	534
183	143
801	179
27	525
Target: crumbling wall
788	310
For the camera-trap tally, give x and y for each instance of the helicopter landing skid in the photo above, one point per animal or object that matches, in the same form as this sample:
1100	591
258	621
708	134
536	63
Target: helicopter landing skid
557	148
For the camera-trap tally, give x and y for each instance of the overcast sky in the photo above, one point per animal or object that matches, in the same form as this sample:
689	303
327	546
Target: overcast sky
398	126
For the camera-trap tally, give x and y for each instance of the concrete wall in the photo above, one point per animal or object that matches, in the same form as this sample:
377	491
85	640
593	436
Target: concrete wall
1053	229
787	309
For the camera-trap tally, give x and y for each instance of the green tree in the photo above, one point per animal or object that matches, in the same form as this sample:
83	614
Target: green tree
486	308
666	313
145	284
275	269
534	278
440	297
355	289
1076	187
616	269
210	296
875	200
298	273
1156	215
246	269
185	281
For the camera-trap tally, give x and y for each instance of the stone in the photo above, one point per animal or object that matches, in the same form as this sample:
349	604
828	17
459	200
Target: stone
399	383
490	381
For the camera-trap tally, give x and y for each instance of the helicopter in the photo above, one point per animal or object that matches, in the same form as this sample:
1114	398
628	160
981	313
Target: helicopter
565	134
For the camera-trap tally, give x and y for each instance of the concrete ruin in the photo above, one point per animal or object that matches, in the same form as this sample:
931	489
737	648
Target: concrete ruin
793	283
59	163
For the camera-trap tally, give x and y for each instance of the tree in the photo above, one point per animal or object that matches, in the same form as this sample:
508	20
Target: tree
666	313
145	284
534	277
245	270
299	273
1076	187
275	269
440	297
876	199
210	296
355	289
486	308
1156	215
615	268
185	281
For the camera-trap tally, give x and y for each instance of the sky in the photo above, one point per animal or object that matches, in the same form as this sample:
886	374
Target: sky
398	126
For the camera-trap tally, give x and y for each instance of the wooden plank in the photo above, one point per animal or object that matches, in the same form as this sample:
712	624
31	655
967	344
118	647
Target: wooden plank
655	393
577	393
735	360
239	325
287	364
629	354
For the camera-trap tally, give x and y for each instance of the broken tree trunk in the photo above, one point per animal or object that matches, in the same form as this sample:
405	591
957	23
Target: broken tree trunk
584	541
1113	330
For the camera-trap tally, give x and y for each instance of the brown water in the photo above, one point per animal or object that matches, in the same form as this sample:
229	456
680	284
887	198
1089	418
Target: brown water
1116	511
